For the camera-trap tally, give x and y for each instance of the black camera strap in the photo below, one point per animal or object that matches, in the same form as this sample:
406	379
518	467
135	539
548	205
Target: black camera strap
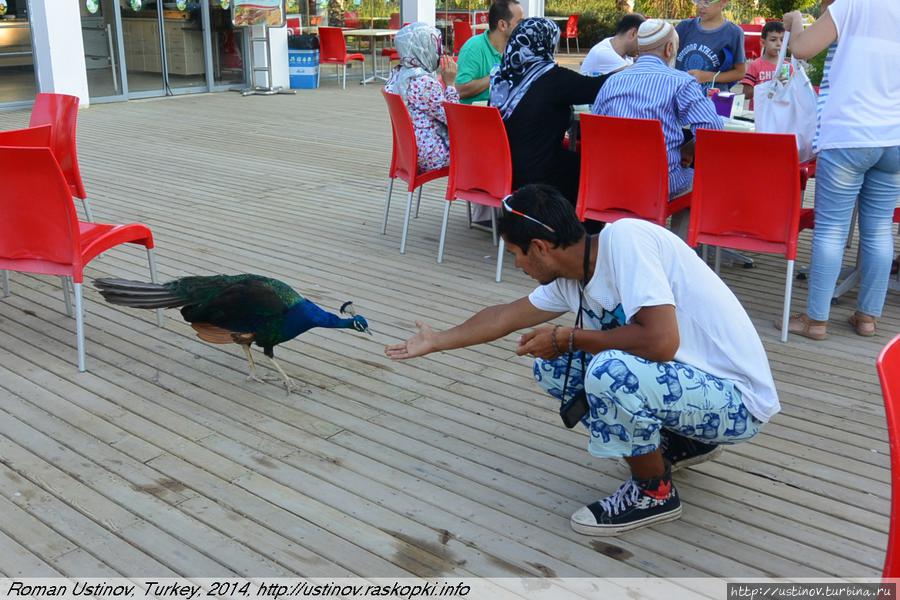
579	319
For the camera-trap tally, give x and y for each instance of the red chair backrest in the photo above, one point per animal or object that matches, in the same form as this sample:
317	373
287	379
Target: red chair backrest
351	20
394	21
633	181
332	45
752	46
888	365
293	25
462	31
405	154
572	26
39	220
60	111
32	137
480	162
743	216
751	27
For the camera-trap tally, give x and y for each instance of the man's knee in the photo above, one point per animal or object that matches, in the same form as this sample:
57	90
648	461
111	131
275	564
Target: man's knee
613	371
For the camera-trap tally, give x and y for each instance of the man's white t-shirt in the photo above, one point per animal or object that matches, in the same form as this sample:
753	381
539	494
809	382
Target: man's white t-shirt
603	59
642	264
863	106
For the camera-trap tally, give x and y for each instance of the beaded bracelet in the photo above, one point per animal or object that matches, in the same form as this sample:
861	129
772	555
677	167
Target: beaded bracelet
553	340
572	340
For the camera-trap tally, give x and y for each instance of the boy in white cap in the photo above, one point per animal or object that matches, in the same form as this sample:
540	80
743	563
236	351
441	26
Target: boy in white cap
652	89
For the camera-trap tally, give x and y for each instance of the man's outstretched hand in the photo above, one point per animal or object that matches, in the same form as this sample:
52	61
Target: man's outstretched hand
420	344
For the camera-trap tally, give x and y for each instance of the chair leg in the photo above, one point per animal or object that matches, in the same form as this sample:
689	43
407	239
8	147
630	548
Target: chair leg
718	259
469	210
344	85
66	298
500	250
151	260
704	253
419	200
577	47
363	80
406	223
443	231
853	218
318	77
79	326
387	205
88	213
494	226
567	45
4	278
786	309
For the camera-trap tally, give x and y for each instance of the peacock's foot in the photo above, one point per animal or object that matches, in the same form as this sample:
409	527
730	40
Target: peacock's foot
264	379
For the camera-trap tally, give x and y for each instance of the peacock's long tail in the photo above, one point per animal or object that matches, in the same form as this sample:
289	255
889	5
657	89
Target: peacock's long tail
137	294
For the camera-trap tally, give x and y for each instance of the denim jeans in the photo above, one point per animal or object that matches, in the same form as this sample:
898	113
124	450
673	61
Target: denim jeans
842	175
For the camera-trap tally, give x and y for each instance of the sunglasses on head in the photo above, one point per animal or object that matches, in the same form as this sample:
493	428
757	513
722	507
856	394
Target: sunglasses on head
518	213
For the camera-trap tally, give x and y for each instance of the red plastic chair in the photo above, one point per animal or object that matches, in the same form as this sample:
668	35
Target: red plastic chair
571	32
752	43
31	137
333	50
744	219
462	32
480	164
293	26
40	231
351	20
614	185
394	21
888	365
60	111
404	162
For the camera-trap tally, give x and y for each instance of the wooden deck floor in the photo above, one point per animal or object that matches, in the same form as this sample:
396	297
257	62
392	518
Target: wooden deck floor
162	460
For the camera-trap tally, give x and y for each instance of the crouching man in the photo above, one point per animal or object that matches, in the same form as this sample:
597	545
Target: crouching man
663	365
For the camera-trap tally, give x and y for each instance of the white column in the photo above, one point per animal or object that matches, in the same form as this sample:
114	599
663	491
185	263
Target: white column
532	8
59	48
418	10
280	74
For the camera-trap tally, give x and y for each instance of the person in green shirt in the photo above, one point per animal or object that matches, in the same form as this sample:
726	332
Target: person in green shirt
481	53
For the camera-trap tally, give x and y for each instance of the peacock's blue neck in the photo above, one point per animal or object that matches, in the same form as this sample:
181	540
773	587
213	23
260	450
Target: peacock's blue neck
306	315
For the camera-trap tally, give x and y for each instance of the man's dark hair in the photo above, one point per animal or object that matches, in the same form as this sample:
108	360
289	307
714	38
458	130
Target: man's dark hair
629	22
546	204
500	10
772	27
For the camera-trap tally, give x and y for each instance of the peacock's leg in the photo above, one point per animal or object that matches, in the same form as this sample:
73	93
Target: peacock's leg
288	384
252	376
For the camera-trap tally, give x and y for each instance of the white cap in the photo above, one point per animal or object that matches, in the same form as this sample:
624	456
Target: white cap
653	33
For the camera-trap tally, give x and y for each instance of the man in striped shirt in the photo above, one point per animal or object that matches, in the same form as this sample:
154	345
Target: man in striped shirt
652	89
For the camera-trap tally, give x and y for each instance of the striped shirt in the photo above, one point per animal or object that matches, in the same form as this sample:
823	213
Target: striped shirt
649	89
824	89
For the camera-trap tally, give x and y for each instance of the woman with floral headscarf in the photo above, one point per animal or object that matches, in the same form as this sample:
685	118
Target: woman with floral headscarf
419	46
535	98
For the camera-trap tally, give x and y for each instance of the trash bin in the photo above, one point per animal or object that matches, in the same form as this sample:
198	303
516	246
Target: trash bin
303	61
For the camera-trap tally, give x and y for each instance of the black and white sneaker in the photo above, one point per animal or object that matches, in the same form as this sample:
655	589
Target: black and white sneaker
636	504
682	452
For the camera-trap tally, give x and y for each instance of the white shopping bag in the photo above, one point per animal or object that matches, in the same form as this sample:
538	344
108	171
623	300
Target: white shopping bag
788	107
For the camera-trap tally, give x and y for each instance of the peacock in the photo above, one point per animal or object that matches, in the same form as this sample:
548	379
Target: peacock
235	309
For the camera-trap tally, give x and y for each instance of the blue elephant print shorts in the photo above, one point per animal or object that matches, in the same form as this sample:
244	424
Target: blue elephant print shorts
631	399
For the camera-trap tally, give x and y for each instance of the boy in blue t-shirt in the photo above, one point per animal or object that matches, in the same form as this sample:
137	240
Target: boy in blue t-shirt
711	48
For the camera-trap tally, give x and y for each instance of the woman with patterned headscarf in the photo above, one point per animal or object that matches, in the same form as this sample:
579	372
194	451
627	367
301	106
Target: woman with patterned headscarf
414	79
535	98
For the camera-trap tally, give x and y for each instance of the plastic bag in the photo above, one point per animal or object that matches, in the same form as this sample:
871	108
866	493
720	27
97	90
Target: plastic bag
306	41
788	107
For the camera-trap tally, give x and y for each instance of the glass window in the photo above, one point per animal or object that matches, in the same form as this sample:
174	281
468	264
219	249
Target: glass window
17	77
